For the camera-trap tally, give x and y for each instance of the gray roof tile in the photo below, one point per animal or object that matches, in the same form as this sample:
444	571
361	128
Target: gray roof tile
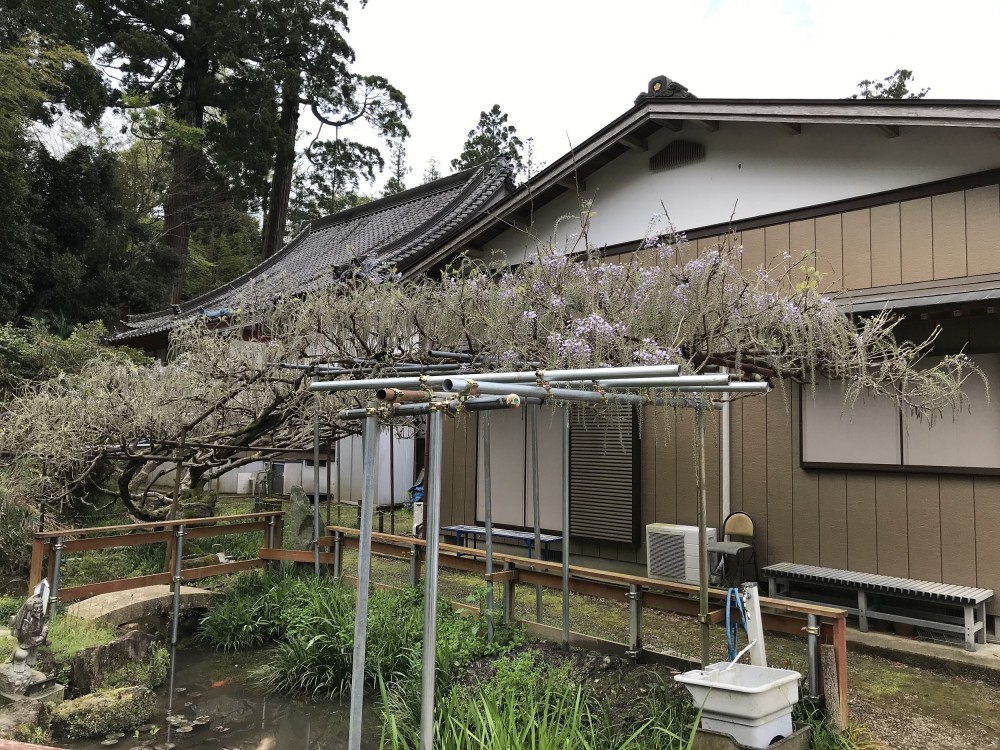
397	231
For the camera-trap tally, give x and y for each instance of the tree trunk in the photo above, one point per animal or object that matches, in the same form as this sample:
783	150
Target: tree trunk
181	199
284	163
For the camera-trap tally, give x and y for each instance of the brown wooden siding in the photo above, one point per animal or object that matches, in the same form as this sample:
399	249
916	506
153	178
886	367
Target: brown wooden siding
935	527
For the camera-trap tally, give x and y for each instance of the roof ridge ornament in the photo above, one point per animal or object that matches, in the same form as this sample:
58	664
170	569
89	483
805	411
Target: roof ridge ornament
662	87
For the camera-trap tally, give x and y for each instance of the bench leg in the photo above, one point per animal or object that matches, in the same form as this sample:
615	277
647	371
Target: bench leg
862	611
772	587
970	628
981	633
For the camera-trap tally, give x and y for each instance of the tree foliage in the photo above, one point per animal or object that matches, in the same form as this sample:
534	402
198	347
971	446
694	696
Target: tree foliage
895	86
490	139
218	388
398	170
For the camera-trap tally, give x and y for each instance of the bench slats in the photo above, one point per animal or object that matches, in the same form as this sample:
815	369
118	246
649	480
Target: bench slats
880	583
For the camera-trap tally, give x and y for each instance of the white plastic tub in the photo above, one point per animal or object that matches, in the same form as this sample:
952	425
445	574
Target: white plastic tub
752	704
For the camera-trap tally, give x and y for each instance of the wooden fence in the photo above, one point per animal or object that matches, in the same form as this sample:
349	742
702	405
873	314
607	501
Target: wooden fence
778	615
49	547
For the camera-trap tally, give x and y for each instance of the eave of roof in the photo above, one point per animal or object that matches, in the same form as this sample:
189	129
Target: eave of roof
650	114
953	292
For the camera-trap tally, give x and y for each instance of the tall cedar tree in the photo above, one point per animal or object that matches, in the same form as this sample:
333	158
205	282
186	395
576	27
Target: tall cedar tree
232	78
491	138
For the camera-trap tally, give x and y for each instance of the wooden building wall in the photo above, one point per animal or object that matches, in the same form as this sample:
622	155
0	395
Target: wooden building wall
938	527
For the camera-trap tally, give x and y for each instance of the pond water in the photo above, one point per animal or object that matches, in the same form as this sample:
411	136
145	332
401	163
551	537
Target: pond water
239	716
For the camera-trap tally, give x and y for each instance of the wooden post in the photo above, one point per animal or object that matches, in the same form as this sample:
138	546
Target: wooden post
168	562
508	596
38	550
833	658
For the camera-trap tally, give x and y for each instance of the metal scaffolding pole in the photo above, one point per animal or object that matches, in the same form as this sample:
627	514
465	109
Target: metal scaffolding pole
369	457
536	504
432	524
488	502
702	540
316	520
565	529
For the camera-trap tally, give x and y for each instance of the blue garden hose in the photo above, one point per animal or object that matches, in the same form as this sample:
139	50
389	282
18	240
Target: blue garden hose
733	627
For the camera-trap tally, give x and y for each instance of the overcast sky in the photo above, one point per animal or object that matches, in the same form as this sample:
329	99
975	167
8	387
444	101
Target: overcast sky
562	69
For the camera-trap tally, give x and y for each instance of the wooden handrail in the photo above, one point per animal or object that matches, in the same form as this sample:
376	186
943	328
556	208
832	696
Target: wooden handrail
580	572
154	525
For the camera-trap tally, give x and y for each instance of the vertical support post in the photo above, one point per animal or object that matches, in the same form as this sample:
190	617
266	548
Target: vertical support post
392	484
813	656
176	612
414	565
488	501
565	528
316	522
862	611
432	522
634	622
702	537
57	559
369	456
338	555
508	596
536	504
271	523
37	556
329	479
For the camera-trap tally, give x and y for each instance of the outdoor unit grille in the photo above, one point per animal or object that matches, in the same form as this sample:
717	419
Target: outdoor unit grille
672	551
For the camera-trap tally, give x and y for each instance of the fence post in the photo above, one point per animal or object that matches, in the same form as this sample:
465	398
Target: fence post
270	531
508	596
338	555
54	561
38	547
414	565
634	622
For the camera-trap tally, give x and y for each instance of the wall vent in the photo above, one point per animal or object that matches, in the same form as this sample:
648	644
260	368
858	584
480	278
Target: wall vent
676	154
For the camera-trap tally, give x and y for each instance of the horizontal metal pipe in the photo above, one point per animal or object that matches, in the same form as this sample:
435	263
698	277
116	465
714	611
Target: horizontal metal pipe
458	356
591	373
395	395
460	385
525	376
453	406
758	387
677	382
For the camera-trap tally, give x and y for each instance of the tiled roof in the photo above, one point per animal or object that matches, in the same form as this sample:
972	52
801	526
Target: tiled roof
395	231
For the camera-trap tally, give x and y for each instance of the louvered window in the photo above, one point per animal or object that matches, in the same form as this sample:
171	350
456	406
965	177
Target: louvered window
604	475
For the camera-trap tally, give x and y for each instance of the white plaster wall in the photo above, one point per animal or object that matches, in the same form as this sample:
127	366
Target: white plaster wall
349	470
753	169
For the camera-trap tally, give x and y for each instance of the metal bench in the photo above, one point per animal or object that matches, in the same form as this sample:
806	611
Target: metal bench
527	538
927	604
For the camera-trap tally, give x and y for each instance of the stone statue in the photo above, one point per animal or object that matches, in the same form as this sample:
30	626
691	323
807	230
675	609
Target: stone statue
29	626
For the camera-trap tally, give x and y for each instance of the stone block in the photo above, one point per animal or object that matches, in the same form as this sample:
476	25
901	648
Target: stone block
299	521
95	667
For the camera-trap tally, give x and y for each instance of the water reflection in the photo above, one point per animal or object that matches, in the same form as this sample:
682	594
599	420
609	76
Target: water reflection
215	706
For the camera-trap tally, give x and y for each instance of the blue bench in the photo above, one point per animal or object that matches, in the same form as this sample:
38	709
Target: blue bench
463	533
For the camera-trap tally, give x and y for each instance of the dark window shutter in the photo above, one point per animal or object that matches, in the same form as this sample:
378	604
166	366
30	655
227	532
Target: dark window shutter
604	474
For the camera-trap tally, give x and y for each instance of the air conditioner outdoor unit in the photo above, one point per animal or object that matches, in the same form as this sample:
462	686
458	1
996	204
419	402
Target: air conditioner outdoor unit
672	551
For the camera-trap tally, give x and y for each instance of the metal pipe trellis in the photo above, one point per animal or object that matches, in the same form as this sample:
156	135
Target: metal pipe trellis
508	398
